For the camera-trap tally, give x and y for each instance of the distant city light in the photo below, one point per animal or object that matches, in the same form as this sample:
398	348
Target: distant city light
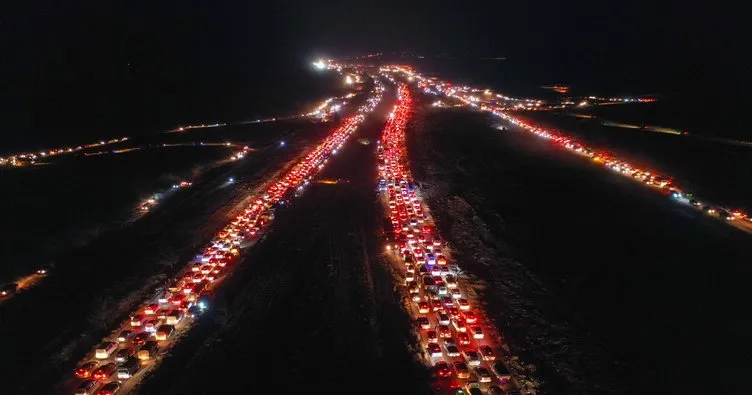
348	80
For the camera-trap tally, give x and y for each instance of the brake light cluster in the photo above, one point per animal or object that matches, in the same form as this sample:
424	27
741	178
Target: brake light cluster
185	292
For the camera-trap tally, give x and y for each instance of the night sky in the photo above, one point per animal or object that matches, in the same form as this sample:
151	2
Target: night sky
137	65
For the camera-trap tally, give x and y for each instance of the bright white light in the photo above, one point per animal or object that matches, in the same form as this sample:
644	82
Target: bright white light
348	80
320	64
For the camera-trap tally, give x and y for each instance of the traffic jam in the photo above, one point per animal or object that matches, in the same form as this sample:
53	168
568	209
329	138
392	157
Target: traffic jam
135	347
486	101
32	158
461	347
647	177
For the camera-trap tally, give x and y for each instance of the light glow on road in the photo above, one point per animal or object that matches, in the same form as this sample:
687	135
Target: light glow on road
189	293
435	291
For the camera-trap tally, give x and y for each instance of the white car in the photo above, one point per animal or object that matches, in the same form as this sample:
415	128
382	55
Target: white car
105	350
477	332
472	357
450	281
443	318
451	350
483	375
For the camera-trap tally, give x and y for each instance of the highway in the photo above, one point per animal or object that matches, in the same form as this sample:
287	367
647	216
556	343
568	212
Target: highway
485	100
460	345
165	316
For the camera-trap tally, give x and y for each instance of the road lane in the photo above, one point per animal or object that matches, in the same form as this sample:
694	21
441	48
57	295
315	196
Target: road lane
187	291
436	294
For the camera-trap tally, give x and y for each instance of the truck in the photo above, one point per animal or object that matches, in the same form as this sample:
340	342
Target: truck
148	350
164	332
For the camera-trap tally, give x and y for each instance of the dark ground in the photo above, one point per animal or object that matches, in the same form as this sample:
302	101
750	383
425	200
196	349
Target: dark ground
73	199
313	306
603	284
713	170
94	286
69	202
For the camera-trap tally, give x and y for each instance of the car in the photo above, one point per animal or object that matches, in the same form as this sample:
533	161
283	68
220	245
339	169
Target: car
443	290
447	301
125	335
437	306
432	337
477	332
122	355
128	369
110	388
461	370
722	214
194	311
473	388
695	203
472	357
141	338
443	330
463	338
85	370
174	317
87	387
423	322
469	317
442	369
105	349
424	307
151	325
8	289
162	313
148	350
151	309
501	371
443	318
104	372
708	210
487	353
453	312
463	304
137	320
451	350
164	332
483	375
495	390
434	351
459	326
